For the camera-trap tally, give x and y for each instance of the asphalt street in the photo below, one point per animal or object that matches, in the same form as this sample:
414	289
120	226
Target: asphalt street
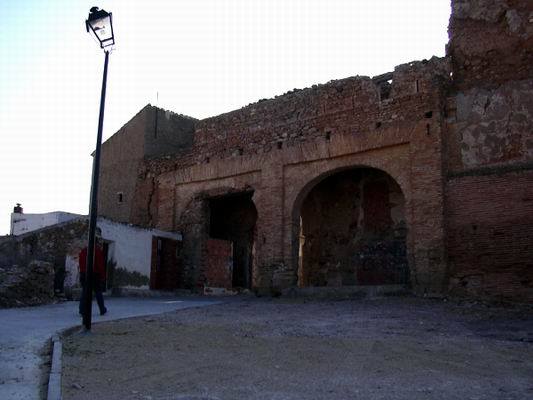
25	331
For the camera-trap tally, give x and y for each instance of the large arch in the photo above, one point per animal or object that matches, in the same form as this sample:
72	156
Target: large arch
350	228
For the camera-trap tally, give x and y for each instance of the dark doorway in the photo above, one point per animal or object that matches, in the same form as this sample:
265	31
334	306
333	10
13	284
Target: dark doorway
166	272
353	231
233	218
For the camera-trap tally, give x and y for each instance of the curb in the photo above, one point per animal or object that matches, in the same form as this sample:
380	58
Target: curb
54	381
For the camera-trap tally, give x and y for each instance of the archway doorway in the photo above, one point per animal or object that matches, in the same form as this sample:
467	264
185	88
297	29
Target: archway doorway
353	231
232	219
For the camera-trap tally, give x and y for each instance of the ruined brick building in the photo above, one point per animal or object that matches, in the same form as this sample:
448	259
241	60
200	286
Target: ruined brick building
422	176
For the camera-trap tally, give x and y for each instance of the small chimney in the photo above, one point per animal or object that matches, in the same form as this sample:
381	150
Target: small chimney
17	209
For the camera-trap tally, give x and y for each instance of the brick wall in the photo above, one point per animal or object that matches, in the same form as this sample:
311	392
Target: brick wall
489	150
490	220
448	131
280	148
219	264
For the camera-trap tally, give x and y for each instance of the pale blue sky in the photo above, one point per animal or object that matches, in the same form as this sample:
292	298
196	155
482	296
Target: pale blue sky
203	57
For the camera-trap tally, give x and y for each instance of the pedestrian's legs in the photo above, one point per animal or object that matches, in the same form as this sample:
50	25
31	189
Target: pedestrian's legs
99	297
82	298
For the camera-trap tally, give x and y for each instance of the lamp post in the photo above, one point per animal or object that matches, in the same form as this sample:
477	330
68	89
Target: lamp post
100	24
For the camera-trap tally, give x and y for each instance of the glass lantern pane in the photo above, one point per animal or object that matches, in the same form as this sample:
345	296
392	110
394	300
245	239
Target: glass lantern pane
102	28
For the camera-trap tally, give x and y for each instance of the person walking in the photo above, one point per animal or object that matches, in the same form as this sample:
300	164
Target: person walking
98	277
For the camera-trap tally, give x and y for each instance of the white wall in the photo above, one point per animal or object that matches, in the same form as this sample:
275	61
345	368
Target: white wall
71	271
131	247
23	223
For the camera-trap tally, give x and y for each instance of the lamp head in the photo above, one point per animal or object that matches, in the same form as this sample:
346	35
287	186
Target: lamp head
100	24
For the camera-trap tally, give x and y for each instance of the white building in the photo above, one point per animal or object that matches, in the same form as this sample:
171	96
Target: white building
144	258
128	248
24	223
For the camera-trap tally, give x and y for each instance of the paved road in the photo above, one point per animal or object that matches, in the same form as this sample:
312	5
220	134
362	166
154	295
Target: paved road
24	332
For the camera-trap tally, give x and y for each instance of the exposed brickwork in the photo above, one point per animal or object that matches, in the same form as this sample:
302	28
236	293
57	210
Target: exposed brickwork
353	231
219	264
343	124
490	221
454	134
489	150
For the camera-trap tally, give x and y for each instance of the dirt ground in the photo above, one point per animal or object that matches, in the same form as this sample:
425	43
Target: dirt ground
250	348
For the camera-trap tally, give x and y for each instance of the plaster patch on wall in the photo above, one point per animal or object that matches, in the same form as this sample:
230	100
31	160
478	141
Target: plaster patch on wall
494	125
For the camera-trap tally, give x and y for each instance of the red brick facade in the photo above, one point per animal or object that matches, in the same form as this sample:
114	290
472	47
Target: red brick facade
454	134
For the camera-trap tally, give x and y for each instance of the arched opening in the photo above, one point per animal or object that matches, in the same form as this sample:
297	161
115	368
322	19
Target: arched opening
232	221
352	231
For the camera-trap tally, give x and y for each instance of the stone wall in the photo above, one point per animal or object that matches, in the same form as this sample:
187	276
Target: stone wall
453	134
489	150
491	42
33	253
280	148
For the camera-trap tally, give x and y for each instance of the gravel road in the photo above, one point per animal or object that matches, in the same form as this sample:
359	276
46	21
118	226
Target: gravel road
249	348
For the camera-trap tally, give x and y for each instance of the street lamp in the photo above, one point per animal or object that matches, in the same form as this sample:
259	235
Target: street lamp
100	24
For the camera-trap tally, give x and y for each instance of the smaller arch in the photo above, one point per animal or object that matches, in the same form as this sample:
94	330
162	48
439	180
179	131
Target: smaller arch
350	228
225	214
233	218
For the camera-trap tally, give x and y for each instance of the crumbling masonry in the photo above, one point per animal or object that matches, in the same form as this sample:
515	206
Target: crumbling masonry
421	176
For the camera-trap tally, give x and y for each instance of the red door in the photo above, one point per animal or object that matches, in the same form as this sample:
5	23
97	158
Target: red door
219	271
166	271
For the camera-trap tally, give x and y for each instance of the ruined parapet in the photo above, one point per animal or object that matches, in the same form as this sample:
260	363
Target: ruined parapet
353	105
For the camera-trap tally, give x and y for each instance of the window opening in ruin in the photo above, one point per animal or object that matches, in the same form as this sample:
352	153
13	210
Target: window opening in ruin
428	127
280	145
328	135
378	125
120	197
417	88
385	89
353	231
233	218
429	114
384	85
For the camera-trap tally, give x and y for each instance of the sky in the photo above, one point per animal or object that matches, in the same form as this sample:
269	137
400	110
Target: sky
200	58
